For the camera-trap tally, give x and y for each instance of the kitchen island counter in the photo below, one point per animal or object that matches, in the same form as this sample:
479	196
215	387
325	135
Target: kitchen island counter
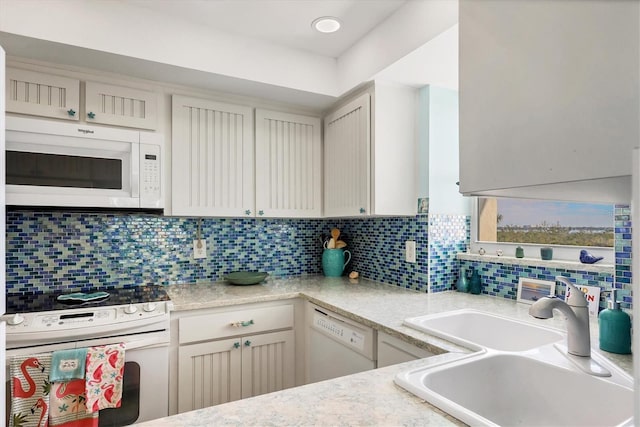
366	398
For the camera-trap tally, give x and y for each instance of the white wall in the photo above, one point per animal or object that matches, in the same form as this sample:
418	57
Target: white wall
438	147
403	32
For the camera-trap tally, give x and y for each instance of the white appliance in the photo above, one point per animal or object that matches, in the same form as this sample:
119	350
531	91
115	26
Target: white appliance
337	346
137	317
74	165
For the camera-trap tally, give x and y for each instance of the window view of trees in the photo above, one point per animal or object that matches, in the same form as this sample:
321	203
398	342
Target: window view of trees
546	222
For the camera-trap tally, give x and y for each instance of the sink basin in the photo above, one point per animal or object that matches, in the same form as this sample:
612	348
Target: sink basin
475	328
510	389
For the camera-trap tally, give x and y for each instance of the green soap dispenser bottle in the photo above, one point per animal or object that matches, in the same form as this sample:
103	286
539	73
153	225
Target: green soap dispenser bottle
615	327
475	286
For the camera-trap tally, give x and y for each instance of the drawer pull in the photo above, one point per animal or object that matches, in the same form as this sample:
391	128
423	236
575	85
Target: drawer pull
247	343
236	345
242	323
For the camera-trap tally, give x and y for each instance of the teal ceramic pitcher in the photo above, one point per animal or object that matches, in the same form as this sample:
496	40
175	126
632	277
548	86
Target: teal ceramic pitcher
333	262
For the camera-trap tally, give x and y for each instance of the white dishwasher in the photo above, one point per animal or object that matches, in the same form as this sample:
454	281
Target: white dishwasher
337	346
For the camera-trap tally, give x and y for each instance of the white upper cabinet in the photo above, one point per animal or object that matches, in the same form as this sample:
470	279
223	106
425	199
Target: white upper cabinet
347	159
549	101
370	147
120	106
212	158
40	94
48	95
288	165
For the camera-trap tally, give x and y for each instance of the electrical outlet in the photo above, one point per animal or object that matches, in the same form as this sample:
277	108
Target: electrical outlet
199	249
410	251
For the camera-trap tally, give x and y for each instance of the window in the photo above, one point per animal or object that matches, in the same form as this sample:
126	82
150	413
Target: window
503	224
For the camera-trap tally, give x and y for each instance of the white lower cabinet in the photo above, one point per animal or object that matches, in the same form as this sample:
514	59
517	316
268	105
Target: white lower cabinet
229	355
392	350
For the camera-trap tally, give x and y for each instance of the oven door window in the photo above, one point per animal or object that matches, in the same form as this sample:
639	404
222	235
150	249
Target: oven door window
58	170
128	411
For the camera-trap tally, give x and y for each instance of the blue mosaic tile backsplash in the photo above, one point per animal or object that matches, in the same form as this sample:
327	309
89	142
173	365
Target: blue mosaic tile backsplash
378	249
51	251
57	251
447	237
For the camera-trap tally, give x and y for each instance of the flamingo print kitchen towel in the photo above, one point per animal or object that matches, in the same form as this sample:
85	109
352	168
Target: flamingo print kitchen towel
68	406
105	369
30	389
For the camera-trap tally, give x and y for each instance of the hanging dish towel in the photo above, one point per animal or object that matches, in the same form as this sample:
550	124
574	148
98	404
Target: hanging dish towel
105	369
68	365
68	405
30	390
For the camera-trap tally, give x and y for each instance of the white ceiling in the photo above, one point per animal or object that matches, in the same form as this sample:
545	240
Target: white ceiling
259	48
283	22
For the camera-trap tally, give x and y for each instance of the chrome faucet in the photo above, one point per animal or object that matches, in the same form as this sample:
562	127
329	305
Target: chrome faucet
576	309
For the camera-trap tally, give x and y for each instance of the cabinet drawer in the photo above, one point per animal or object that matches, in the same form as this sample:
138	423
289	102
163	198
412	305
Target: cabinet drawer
236	322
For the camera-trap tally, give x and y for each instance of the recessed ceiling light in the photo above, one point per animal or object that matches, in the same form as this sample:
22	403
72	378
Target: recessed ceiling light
326	24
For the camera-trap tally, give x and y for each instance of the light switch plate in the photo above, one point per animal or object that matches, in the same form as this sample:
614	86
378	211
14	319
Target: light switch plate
199	249
410	251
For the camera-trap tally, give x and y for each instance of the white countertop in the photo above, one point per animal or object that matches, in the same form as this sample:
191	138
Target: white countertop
367	398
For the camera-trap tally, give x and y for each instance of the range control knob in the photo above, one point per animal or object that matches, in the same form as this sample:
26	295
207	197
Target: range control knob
149	307
16	319
130	309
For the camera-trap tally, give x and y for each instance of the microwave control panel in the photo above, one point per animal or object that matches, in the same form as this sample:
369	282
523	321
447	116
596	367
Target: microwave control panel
150	175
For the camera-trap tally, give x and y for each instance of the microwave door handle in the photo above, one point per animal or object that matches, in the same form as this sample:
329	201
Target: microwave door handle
135	170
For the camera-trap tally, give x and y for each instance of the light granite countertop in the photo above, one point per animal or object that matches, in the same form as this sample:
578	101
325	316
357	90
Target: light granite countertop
367	398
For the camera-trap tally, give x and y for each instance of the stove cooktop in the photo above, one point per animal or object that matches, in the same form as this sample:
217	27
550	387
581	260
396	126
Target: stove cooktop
117	296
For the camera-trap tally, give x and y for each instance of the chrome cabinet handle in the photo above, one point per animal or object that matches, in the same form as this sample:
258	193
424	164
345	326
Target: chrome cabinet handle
71	112
247	343
91	115
242	323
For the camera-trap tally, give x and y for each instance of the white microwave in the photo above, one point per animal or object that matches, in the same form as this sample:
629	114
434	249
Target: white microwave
73	165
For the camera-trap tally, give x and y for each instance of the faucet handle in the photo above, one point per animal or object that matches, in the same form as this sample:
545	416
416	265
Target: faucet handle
576	298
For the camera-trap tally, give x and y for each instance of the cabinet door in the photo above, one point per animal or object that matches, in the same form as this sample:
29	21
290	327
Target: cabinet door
267	363
347	159
548	103
120	106
39	94
288	162
212	158
392	350
209	374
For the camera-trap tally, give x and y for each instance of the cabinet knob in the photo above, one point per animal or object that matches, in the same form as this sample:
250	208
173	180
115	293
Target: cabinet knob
247	212
247	343
236	345
362	210
71	112
91	115
260	212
